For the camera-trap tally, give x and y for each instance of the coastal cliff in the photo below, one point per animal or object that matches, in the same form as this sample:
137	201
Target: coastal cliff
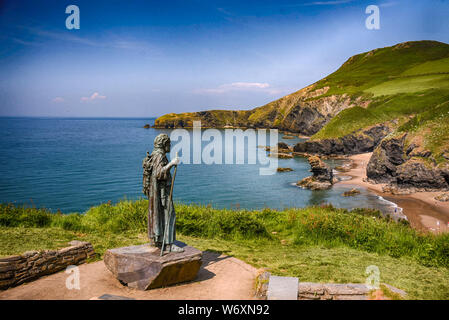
303	112
361	141
406	165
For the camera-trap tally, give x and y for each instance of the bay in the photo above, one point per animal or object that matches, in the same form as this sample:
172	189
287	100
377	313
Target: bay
73	164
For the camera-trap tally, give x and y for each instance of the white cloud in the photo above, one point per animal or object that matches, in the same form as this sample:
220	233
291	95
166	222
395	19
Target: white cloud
58	100
235	86
94	96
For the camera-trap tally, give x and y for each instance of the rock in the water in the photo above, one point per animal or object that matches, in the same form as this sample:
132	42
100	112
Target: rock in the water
280	155
351	192
312	184
282	146
322	177
143	268
284	169
147	126
320	170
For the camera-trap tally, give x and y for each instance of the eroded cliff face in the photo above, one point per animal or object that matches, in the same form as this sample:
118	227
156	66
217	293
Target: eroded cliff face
309	116
385	159
405	165
304	112
361	141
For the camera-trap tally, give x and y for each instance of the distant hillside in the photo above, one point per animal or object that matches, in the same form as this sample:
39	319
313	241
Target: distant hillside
399	81
407	87
363	88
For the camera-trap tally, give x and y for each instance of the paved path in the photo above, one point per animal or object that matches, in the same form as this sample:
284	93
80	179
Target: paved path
220	277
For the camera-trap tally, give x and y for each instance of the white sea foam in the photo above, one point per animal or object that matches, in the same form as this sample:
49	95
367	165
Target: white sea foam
396	210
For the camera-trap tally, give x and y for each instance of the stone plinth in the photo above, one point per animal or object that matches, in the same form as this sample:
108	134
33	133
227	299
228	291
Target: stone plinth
143	268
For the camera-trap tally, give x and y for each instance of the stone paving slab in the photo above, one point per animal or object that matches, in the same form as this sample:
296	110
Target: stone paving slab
282	288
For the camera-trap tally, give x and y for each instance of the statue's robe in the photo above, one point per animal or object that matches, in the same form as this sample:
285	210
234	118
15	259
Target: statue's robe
160	206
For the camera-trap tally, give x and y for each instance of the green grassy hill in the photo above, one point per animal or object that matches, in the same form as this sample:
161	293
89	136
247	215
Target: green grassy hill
400	82
392	83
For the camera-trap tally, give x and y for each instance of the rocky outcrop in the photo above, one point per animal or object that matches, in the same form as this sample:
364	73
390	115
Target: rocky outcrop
18	269
351	192
361	141
416	173
320	170
444	197
385	159
283	147
406	166
322	177
284	169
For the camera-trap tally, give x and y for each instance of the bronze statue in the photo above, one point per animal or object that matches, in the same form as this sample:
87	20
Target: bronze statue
157	186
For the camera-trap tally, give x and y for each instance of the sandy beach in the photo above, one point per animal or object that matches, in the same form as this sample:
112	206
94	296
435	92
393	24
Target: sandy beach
422	210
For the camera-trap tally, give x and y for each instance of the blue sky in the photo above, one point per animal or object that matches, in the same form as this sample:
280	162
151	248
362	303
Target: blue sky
146	58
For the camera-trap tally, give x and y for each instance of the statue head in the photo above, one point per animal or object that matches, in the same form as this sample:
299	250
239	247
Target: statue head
162	141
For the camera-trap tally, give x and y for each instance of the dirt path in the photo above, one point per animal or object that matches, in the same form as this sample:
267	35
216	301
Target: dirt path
220	277
421	209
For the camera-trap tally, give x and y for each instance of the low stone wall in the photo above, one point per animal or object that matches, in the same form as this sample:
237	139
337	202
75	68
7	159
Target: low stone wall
332	291
15	270
324	291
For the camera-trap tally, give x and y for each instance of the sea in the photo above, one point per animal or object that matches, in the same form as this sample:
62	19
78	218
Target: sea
72	164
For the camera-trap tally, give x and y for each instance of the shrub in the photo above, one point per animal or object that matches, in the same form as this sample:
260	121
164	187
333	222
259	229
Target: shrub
206	222
12	216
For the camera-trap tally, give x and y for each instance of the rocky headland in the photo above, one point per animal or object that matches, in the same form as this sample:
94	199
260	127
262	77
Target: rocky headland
404	164
305	112
361	141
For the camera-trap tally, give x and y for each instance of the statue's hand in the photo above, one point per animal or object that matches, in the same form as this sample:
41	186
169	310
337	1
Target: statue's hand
175	162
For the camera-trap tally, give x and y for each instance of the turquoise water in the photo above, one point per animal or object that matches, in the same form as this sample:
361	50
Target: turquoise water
73	164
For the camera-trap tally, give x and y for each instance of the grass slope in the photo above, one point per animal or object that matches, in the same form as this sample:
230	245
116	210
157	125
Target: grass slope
320	244
407	83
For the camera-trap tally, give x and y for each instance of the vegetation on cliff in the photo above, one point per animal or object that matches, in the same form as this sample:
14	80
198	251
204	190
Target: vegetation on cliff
322	244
